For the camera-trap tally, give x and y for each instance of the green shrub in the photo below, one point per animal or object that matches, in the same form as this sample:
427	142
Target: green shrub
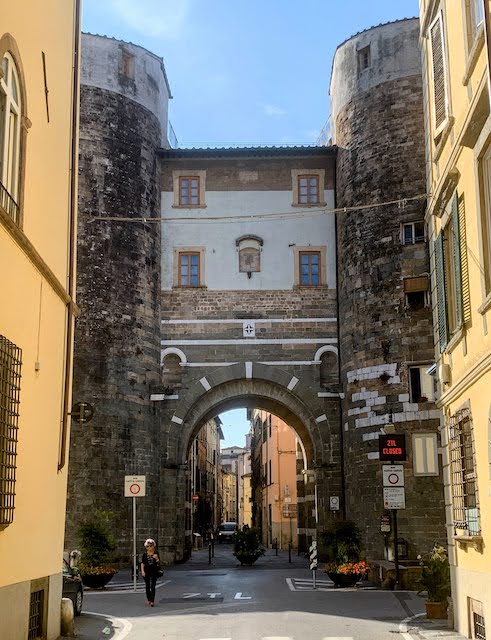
341	542
96	540
247	546
435	575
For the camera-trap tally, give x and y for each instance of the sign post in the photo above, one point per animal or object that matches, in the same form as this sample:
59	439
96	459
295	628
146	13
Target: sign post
134	487
392	448
313	561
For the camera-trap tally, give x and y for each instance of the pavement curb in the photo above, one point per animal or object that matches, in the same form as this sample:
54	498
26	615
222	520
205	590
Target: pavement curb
120	633
419	627
404	625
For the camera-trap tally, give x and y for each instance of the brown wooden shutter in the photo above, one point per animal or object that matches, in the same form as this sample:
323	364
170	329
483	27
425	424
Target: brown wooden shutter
438	67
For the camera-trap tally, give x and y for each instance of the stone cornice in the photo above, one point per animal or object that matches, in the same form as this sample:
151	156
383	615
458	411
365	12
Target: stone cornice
481	367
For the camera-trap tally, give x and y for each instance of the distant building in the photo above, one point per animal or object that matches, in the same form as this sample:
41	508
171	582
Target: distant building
275	455
39	62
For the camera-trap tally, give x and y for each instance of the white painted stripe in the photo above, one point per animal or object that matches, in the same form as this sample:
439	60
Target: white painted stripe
157	397
404	626
176	419
292	384
126	624
248	370
290	584
209	364
205	383
328	394
284	363
321	418
256	320
232	342
337	638
276	638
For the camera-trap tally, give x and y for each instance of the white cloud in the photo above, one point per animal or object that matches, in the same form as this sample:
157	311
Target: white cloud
154	18
273	110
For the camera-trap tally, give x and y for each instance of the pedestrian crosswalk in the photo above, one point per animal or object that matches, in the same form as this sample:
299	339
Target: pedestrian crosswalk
123	587
307	584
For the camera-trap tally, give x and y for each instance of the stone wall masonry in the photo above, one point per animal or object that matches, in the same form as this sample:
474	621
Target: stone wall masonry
117	351
381	158
248	174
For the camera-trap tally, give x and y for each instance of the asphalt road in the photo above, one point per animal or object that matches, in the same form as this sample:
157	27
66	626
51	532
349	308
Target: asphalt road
273	600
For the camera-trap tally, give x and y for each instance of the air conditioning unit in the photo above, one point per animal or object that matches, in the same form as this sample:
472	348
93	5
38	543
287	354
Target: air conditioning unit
444	373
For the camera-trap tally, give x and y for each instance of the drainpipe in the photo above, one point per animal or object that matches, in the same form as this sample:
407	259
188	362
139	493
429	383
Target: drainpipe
487	36
341	427
72	310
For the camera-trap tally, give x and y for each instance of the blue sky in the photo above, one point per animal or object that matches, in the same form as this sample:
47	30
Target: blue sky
243	72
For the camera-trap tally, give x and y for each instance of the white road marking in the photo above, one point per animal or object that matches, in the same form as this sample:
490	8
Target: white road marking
239	596
190	595
404	626
123	587
122	633
213	595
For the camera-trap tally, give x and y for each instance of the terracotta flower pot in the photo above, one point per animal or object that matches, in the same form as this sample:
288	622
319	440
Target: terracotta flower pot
344	580
436	610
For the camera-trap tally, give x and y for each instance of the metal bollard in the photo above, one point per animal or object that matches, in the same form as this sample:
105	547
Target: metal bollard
289	552
209	553
213	548
276	546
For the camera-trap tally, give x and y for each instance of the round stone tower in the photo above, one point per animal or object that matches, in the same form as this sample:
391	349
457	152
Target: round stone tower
123	123
386	335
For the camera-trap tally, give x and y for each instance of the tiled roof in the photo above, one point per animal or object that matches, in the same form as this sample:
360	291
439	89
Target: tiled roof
247	152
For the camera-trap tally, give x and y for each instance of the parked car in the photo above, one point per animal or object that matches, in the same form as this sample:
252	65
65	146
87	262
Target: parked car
226	530
73	587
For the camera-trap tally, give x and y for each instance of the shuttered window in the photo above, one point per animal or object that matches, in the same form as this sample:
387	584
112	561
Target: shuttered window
485	175
440	97
441	293
457	275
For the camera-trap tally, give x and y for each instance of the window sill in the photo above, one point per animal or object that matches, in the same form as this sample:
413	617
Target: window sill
473	56
455	339
189	206
443	138
310	286
465	540
201	286
486	305
309	205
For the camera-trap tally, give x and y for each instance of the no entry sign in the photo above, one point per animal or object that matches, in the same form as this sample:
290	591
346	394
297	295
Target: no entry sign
134	486
393	475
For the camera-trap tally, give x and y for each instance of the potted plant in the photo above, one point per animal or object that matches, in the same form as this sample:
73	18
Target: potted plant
341	547
96	542
247	546
435	580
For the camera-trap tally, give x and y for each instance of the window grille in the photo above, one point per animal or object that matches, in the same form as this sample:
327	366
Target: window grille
463	470
479	628
10	364
36	615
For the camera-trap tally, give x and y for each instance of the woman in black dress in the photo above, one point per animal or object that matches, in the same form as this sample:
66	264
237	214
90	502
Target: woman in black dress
150	566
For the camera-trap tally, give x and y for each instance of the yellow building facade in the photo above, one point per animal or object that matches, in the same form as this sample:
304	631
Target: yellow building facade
38	169
458	218
276	449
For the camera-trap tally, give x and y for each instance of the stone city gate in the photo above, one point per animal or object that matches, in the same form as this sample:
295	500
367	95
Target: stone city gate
251	385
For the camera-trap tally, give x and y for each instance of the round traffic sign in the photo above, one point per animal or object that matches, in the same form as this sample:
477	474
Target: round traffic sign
393	478
135	488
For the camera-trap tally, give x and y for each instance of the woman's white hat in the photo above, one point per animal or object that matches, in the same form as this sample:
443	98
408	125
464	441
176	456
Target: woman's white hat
149	541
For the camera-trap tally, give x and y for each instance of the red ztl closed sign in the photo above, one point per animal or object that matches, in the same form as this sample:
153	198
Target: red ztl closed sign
392	447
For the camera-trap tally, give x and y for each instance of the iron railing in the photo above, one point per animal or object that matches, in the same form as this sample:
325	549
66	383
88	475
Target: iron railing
8	203
171	135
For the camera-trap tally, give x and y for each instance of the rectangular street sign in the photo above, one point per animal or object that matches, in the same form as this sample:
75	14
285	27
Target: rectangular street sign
394	498
134	486
392	447
393	475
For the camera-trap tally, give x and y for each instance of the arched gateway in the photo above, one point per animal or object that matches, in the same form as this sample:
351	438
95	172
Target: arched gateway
268	388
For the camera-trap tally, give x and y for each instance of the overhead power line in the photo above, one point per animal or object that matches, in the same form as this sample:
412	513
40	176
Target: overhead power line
311	211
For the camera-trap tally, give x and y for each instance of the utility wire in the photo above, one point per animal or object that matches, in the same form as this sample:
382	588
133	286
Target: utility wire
401	203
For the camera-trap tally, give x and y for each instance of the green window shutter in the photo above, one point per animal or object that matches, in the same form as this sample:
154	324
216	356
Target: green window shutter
440	293
464	269
456	260
438	68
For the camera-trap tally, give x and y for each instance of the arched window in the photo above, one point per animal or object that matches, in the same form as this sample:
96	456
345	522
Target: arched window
10	136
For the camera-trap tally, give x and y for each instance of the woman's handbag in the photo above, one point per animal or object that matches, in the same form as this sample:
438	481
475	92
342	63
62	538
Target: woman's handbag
160	572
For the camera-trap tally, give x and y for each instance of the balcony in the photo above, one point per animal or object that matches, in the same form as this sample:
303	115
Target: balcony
8	203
